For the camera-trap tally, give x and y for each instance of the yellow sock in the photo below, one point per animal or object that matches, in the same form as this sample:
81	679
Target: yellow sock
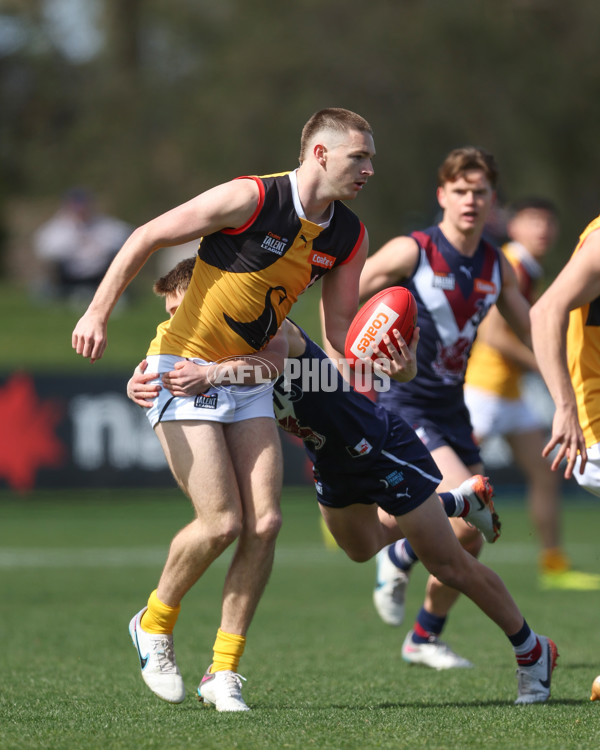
554	560
227	651
159	617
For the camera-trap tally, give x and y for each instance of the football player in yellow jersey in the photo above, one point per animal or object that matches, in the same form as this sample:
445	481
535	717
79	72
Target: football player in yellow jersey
565	325
493	391
263	240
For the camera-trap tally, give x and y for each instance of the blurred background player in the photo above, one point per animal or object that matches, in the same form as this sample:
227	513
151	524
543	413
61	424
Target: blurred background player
494	390
456	276
364	458
76	246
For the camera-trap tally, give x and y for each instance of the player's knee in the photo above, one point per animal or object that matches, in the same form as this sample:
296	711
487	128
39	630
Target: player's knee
223	532
359	555
471	540
268	525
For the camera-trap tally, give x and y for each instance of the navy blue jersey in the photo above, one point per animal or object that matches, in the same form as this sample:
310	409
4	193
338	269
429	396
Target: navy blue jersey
340	427
453	294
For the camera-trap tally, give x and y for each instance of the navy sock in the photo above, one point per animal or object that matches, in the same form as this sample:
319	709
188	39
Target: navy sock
402	554
449	503
427	625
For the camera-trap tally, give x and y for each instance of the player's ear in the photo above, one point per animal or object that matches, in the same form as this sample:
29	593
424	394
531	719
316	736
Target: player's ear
320	153
441	196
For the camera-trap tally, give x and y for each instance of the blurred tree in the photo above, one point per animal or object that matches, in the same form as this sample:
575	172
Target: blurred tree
150	102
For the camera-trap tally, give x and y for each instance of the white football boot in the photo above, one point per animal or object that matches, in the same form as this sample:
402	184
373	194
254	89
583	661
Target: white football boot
157	660
390	589
534	681
435	654
478	491
223	690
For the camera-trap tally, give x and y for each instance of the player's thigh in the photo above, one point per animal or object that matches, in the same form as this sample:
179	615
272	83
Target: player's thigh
430	535
255	449
356	528
199	459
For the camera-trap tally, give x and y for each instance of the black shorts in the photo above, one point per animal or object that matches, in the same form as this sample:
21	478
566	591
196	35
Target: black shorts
400	479
454	430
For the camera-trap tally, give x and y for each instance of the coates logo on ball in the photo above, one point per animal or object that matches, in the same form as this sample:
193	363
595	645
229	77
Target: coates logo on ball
391	308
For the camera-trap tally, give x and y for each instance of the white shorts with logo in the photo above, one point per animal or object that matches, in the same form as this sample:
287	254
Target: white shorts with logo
224	403
494	415
590	479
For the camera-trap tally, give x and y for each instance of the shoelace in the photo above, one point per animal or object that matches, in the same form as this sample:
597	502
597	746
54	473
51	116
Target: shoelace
165	655
233	683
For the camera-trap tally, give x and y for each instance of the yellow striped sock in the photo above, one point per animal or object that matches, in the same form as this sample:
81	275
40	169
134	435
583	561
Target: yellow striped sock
159	617
227	651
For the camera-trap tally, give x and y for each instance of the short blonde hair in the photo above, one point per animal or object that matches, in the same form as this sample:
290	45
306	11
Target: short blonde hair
333	118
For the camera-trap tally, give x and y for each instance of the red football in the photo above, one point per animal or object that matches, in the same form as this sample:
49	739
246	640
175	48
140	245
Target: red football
390	308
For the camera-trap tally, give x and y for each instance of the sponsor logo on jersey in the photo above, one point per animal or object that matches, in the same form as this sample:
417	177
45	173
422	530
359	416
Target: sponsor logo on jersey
445	281
322	259
274	243
394	478
380	322
483	286
202	401
362	448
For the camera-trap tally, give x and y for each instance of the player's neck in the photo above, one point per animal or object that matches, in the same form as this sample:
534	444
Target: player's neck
465	243
316	207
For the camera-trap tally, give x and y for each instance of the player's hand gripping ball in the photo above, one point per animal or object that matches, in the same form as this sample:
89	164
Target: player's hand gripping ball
394	307
595	696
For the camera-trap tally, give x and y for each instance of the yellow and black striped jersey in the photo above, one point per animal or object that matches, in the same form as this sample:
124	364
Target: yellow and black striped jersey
246	280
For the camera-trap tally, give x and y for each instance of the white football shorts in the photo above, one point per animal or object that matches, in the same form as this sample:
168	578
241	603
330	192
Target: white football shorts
494	415
590	479
223	403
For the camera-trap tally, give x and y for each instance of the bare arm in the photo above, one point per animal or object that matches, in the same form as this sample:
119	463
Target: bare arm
395	261
576	285
495	332
227	205
512	305
190	379
339	300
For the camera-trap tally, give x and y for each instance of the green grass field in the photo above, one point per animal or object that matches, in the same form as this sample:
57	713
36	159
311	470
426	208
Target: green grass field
322	669
39	335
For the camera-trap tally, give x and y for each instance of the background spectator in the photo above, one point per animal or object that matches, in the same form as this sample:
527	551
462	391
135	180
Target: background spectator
76	245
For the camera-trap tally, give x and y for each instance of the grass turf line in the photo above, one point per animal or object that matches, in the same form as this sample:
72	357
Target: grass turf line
322	670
